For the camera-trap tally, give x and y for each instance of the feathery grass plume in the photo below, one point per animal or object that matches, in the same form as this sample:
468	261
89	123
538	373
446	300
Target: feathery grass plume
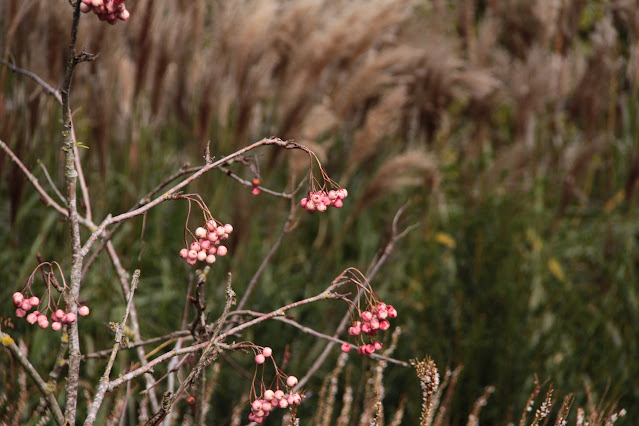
449	383
399	413
429	381
412	168
328	391
473	417
530	402
544	409
344	418
562	415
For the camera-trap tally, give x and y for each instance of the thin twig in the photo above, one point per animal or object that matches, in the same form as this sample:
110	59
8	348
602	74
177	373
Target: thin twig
55	188
55	93
132	345
46	391
104	381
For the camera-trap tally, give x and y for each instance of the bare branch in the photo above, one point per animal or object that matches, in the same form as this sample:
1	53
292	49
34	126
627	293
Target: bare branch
46	86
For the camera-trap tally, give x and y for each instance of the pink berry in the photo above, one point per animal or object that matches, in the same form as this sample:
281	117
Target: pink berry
26	305
251	417
34	300
184	253
279	394
366	328
195	246
255	191
212	237
374	324
212	250
222	250
291	381
211	225
220	231
267	352
191	261
382	314
268	395
210	258
56	326
354	331
32	318
69	317
283	403
361	350
346	348
338	204
83	311
18	298
20	313
332	195
303	202
321	207
205	244
392	312
256	405
200	232
228	228
367	316
201	255
44	323
259	358
193	254
377	346
384	325
370	348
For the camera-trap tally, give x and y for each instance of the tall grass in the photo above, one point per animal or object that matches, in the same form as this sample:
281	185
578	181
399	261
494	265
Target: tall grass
510	128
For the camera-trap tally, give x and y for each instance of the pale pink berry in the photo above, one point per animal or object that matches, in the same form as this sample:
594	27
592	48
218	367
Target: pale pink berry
191	261
384	325
20	313
268	395
310	206
361	350
32	318
267	406
222	250
259	358
59	314
377	346
220	231
382	314
294	399
69	317
346	348
255	191
195	246
213	250
321	207
367	316
332	195
212	237
44	323
374	324
84	8
124	15
184	253
34	300
210	258
228	228
205	244
83	311
26	305
369	349
211	225
291	381
56	326
251	417
366	328
200	232
267	352
354	331
18	298
201	255
256	405
193	254
338	203
303	202
283	403
279	394
392	312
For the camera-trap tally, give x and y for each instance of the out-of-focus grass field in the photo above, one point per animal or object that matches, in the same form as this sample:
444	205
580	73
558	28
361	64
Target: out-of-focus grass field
508	128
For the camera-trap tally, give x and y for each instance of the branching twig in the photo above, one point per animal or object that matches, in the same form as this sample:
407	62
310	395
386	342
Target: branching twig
46	391
104	381
46	86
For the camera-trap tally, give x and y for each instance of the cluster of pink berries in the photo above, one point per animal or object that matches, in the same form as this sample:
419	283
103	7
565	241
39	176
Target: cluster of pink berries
321	200
209	243
372	321
107	10
59	317
262	407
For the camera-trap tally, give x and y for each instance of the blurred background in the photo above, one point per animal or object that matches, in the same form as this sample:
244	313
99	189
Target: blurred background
509	128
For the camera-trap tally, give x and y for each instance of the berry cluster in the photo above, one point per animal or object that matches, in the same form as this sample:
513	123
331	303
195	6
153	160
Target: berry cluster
256	183
270	399
107	10
321	200
58	317
209	243
372	321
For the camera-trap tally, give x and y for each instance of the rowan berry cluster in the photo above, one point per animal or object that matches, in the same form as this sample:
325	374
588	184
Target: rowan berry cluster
371	321
271	399
208	244
58	317
107	10
322	200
